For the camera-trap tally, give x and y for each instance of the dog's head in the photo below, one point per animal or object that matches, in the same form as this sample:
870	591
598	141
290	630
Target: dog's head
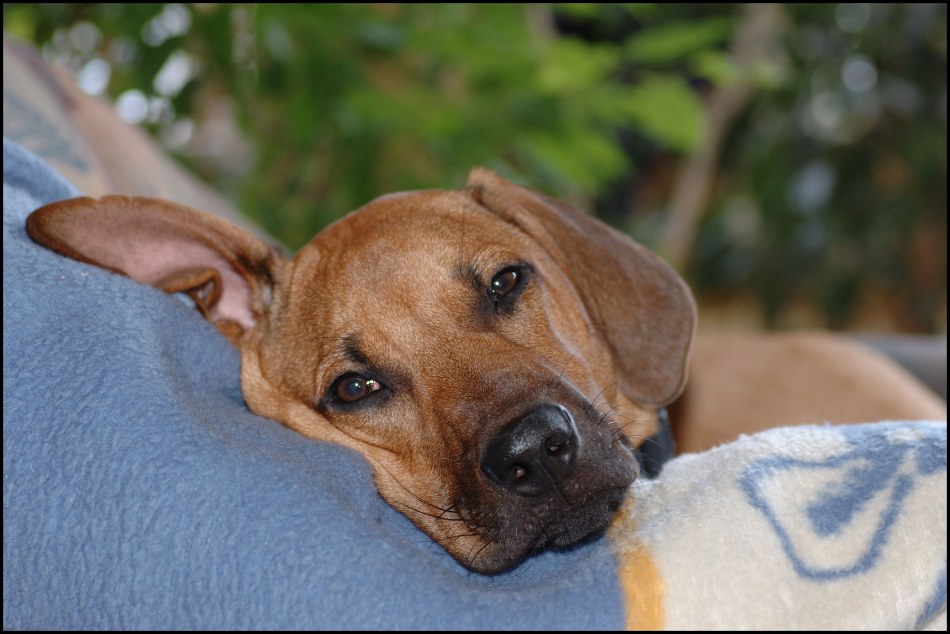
495	354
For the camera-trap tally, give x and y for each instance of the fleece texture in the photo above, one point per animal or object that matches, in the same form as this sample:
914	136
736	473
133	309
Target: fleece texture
814	527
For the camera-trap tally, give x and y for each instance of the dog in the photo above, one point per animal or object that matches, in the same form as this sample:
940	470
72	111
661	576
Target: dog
496	355
501	358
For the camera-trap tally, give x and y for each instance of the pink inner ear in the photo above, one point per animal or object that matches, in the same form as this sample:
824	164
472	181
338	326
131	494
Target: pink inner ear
163	244
150	262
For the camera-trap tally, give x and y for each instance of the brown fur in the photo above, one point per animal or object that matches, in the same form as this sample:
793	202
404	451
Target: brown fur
747	382
397	291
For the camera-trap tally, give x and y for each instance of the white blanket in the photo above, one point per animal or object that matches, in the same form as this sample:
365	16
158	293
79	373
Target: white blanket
815	527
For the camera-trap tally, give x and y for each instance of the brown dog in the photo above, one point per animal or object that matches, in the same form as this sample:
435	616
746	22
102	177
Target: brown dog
495	354
738	382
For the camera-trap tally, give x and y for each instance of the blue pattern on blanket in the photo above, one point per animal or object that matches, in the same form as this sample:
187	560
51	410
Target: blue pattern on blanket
853	496
886	462
937	601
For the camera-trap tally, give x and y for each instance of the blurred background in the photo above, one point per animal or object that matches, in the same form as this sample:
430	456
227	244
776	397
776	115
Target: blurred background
789	160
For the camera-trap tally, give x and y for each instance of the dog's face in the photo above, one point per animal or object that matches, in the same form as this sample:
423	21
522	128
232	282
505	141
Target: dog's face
493	354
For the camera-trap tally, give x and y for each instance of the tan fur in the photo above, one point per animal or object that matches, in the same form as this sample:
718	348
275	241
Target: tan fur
746	382
400	291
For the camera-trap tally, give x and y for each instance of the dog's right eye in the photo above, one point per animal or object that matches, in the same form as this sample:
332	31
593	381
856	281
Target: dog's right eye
505	282
506	286
351	387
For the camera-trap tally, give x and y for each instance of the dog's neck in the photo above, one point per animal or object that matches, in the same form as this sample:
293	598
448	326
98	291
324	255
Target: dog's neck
658	448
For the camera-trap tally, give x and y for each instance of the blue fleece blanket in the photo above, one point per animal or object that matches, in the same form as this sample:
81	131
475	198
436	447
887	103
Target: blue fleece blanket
140	493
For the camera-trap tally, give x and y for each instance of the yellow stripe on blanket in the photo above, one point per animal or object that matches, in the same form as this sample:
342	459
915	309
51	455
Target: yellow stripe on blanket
640	578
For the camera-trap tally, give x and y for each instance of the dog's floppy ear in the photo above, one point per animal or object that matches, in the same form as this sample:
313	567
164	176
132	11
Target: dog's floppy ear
642	308
229	273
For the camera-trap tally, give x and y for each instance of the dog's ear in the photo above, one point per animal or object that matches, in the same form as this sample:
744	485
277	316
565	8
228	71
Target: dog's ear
642	308
229	273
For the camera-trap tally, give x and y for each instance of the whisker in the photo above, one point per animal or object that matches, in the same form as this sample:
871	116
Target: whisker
412	493
601	393
471	561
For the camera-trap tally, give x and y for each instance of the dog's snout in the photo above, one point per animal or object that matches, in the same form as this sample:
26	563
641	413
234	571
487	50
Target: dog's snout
533	452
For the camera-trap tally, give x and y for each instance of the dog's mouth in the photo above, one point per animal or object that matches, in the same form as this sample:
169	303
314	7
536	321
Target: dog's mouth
534	495
578	524
520	534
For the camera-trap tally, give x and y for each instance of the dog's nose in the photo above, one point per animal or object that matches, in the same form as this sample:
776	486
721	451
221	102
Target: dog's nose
534	452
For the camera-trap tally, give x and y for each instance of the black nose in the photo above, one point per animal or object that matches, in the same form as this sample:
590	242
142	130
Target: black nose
533	452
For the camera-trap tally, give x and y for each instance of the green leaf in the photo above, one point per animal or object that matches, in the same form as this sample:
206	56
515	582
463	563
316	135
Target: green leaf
588	10
571	65
671	42
715	66
587	160
665	108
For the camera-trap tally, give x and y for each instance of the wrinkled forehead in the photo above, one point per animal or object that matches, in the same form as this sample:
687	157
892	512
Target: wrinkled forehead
403	250
399	236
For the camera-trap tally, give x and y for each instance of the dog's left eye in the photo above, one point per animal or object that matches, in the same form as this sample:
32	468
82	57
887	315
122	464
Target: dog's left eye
351	387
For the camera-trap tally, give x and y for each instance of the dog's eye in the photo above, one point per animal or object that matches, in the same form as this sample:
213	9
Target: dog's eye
350	388
506	286
505	282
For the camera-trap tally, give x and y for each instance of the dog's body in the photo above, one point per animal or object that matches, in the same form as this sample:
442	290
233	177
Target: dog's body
748	382
496	355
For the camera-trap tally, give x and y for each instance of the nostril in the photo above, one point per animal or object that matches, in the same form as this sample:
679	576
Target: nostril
556	445
533	452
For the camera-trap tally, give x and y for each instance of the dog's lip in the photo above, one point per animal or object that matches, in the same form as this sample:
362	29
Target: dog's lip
572	526
579	522
577	525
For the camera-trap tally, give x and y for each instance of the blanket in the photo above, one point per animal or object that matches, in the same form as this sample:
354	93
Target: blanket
815	527
139	492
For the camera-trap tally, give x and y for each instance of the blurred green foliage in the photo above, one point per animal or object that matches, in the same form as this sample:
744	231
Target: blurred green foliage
342	102
831	185
834	184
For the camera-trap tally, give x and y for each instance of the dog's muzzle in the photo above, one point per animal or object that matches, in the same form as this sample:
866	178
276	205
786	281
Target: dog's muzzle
550	477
